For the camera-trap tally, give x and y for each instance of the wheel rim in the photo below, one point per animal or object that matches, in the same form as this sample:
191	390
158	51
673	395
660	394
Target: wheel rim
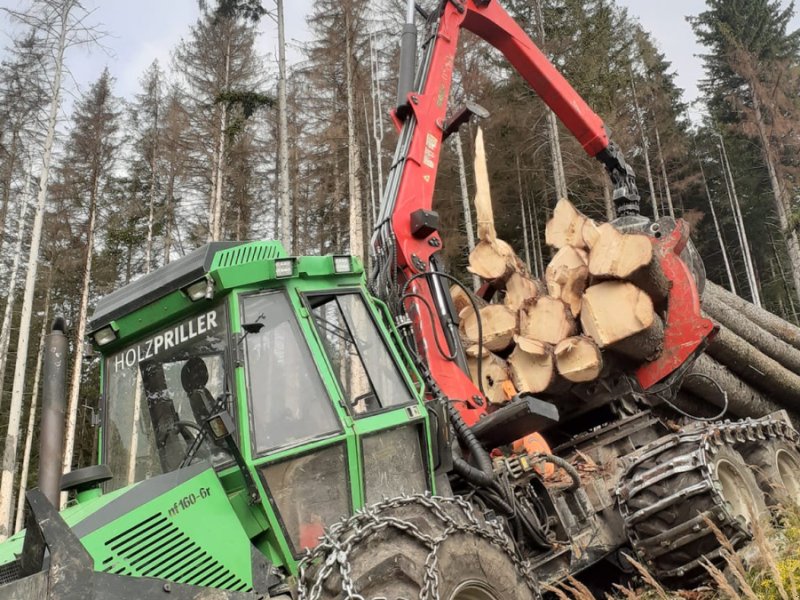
735	490
789	471
474	590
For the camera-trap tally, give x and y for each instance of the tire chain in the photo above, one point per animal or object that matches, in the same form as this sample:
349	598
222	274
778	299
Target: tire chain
708	439
339	541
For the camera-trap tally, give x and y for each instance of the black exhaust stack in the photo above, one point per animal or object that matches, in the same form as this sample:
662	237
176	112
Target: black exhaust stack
54	408
408	60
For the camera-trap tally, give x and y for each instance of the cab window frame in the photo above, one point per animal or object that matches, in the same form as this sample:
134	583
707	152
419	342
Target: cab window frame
303	342
229	382
397	362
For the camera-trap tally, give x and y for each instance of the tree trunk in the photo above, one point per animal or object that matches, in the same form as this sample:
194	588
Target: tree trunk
12	437
524	218
462	179
8	180
5	329
766	320
743	399
757	368
168	216
740	228
578	359
218	179
19	522
718	230
645	150
559	177
283	138
148	259
782	206
77	360
664	174
764	341
356	219
532	366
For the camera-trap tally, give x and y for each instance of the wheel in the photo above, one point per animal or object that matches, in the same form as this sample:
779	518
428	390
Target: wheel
669	494
416	547
776	465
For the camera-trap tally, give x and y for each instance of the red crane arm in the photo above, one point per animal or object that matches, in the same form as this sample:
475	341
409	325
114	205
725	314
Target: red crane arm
411	184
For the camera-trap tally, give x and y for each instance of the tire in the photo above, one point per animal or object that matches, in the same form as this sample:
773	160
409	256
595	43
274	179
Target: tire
667	495
389	545
776	466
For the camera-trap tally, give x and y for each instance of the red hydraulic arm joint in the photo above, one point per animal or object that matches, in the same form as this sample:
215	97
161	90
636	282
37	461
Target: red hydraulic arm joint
428	112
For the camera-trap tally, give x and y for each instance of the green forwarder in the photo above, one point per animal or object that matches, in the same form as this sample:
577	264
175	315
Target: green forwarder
250	400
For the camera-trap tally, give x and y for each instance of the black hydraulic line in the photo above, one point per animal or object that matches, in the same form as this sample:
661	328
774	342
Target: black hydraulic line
563	464
54	404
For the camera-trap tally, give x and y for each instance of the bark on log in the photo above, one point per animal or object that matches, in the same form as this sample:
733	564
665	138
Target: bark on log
498	324
620	316
532	366
520	288
774	347
773	324
495	377
547	320
743	399
757	368
578	359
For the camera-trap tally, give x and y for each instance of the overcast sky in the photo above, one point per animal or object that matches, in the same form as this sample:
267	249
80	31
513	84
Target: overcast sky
143	30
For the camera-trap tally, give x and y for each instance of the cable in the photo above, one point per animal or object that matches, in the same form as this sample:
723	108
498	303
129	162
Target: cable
562	464
436	339
695	417
473	301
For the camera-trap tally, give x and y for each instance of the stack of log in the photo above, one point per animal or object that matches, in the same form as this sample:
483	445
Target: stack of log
599	312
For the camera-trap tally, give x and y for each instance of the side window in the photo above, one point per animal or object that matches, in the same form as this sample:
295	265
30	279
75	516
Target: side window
289	403
357	352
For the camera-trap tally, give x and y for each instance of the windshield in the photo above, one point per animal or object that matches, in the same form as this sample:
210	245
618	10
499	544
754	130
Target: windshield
159	392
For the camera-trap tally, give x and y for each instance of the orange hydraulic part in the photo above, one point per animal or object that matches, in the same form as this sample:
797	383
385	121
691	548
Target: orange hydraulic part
535	444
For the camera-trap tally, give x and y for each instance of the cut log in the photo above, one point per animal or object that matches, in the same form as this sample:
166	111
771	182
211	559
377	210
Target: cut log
460	298
547	320
773	324
520	288
620	316
757	368
565	228
775	348
630	256
743	399
590	233
578	359
494	261
499	324
567	276
494	375
532	366
483	193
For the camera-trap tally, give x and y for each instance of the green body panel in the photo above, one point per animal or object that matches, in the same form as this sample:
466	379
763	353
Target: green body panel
223	521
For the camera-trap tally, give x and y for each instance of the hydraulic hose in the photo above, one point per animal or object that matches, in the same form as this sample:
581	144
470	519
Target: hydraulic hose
483	474
563	464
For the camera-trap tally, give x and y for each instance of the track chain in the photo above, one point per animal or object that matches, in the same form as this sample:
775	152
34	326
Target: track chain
343	537
648	496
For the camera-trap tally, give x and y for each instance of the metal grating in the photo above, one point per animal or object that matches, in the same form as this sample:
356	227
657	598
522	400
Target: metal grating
241	255
156	547
9	572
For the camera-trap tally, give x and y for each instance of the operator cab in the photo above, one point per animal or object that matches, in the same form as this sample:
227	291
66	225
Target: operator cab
305	362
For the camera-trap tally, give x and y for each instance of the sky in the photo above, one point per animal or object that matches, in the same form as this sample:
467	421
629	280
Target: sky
141	31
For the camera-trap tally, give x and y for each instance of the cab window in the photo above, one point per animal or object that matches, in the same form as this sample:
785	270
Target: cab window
363	365
288	400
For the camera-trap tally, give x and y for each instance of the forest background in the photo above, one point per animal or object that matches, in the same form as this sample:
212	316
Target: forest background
222	142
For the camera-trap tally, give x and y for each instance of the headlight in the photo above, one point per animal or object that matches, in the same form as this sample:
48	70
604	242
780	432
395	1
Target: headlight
199	290
284	267
342	264
104	336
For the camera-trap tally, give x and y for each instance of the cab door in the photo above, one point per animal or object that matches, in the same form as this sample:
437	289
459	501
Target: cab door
388	419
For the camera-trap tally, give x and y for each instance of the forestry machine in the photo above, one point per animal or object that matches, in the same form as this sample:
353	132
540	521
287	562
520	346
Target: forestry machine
276	426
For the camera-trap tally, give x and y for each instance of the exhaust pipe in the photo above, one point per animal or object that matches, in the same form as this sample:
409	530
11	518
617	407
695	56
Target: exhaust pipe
408	59
54	408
